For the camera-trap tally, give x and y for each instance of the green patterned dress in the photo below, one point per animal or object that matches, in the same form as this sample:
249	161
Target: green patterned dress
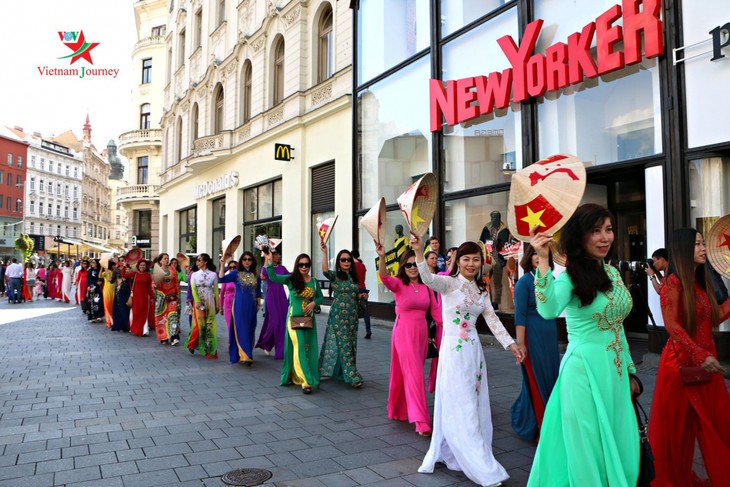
589	434
339	349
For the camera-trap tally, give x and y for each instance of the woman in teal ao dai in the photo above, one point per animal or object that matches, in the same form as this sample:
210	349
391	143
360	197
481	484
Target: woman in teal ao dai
589	434
338	356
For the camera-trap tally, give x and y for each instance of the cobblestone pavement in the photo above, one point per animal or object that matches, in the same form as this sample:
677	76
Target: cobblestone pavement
83	406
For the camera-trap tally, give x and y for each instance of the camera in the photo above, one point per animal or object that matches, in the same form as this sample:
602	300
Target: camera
631	265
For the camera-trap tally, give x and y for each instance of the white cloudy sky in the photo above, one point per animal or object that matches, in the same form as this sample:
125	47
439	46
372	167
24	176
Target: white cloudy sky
51	105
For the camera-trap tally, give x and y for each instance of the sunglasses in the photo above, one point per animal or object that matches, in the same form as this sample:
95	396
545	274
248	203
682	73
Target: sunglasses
410	265
345	259
304	264
247	259
232	267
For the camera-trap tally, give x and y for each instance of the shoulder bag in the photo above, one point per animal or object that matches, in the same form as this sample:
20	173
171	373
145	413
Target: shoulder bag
303	322
646	461
131	293
692	375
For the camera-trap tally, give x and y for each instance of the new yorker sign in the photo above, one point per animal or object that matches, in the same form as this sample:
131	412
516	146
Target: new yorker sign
533	74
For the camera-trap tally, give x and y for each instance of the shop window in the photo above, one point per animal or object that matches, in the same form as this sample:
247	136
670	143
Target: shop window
455	14
389	33
486	150
393	134
709	191
246	92
262	212
188	230
325	46
612	118
219	225
278	68
322	190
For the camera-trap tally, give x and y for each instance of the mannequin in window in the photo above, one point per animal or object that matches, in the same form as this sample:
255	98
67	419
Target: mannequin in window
496	233
401	243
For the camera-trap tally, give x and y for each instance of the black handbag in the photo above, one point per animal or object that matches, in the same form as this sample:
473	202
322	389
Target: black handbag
646	462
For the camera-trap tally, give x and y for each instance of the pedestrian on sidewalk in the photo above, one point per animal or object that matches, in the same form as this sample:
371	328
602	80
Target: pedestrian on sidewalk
540	368
227	293
123	276
338	357
684	414
143	297
300	365
246	305
108	292
408	341
361	271
167	301
50	291
94	282
204	289
589	433
14	276
462	422
80	282
273	330
30	278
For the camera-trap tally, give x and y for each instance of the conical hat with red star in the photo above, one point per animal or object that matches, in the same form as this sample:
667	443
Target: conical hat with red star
558	258
229	247
418	203
718	246
546	194
133	256
374	221
325	228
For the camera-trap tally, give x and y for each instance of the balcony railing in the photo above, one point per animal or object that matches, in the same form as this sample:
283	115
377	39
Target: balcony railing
139	192
136	136
206	145
149	41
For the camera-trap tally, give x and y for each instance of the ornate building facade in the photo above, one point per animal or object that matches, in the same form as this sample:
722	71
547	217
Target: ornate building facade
142	146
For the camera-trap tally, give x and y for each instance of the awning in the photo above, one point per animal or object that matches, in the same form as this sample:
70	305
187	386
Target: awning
77	246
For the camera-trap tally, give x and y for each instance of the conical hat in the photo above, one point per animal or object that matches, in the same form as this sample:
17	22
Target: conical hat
325	228
418	203
718	246
182	259
105	258
374	221
545	193
158	274
558	258
229	247
133	256
273	243
485	254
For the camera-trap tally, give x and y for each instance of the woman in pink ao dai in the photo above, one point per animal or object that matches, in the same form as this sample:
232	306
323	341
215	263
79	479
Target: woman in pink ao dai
409	342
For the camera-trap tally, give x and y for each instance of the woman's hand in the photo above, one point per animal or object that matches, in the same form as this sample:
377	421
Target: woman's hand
636	389
221	313
712	366
540	241
364	296
416	242
519	351
379	249
309	308
323	247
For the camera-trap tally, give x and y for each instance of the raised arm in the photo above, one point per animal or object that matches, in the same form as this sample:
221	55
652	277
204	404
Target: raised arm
440	284
271	274
325	264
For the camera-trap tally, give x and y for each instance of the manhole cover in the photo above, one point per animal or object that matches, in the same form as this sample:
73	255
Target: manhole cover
247	477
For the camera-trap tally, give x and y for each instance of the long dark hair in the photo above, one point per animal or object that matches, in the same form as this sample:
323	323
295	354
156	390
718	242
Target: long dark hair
469	248
158	259
297	281
252	267
208	262
342	275
402	267
586	272
682	265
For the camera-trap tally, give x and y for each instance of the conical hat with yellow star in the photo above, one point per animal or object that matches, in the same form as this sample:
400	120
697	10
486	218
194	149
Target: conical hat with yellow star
718	246
325	228
545	193
374	221
418	203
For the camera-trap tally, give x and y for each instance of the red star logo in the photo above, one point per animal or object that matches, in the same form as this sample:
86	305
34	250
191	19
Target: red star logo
539	211
81	49
726	243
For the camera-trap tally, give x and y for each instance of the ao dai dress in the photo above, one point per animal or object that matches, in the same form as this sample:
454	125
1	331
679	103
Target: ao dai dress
243	319
589	434
108	295
203	337
408	346
339	349
274	326
462	423
167	305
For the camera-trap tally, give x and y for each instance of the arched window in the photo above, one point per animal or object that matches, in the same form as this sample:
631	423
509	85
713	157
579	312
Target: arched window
246	92
325	47
278	87
194	119
218	109
144	116
178	140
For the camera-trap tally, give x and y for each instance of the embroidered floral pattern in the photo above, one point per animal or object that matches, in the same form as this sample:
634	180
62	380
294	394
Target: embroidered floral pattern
463	324
613	314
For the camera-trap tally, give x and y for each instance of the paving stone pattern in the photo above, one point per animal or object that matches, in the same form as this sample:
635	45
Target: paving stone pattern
83	406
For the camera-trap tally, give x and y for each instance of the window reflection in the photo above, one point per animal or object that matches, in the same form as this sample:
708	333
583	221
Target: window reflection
455	14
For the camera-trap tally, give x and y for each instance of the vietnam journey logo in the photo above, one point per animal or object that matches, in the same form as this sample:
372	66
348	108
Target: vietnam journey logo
80	49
